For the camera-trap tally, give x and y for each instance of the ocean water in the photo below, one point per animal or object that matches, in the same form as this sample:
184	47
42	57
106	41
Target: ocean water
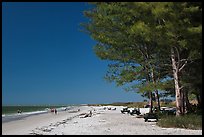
13	109
10	113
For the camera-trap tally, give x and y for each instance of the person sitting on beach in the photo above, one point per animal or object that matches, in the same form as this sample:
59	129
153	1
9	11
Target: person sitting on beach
114	109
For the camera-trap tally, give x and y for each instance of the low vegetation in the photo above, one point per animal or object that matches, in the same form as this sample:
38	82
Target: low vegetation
125	104
137	104
188	121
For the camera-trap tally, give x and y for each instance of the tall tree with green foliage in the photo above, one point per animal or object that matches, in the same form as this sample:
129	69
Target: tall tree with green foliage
124	36
153	35
181	25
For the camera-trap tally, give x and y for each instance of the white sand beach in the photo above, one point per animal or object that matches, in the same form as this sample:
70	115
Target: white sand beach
101	122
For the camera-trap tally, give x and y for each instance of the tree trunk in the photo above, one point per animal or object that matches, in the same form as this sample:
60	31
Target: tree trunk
150	93
150	102
183	101
188	104
157	98
156	91
200	103
179	95
198	99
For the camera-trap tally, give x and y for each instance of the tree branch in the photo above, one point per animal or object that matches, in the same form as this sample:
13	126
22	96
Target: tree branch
183	65
181	87
183	60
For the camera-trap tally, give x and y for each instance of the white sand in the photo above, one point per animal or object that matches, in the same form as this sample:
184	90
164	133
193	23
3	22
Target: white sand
102	122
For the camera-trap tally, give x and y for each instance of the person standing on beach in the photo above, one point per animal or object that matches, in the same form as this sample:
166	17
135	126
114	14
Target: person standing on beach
55	111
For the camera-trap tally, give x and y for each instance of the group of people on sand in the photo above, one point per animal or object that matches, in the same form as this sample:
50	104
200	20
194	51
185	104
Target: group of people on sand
54	110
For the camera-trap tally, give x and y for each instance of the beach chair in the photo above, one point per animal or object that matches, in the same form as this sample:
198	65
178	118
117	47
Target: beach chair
135	111
125	110
169	111
150	116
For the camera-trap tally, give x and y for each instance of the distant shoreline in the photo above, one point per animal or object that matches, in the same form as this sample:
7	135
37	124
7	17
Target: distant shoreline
8	117
12	109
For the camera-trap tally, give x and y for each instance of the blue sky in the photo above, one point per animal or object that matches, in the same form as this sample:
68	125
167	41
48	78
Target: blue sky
46	59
